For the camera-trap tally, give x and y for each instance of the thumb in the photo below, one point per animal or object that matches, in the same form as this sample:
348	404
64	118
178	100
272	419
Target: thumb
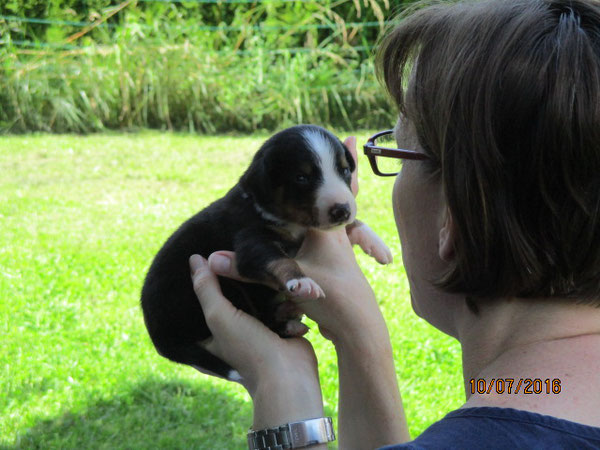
207	289
224	263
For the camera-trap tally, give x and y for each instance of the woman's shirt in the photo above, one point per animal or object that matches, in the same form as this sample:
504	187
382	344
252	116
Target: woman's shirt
503	428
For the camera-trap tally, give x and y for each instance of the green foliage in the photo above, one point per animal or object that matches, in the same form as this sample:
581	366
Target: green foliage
165	65
192	13
82	217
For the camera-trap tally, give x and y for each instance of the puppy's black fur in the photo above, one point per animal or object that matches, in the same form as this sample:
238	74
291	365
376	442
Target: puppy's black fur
263	219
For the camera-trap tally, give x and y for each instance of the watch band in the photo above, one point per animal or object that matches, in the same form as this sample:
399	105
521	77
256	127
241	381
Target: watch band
293	435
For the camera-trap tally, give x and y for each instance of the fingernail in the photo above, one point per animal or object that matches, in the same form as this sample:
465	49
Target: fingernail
196	262
220	263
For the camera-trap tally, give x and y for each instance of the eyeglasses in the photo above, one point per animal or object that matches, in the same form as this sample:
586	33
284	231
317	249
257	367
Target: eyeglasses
386	161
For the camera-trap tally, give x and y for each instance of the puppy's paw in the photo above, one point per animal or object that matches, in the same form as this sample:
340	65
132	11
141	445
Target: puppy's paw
371	244
295	328
287	311
304	288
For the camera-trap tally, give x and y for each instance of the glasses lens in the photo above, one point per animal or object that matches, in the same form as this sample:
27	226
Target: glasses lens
386	140
387	165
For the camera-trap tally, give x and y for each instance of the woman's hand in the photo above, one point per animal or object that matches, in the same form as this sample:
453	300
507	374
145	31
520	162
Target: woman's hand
240	339
280	374
349	309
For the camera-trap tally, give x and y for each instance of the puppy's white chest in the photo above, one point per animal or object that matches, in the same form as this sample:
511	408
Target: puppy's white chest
296	231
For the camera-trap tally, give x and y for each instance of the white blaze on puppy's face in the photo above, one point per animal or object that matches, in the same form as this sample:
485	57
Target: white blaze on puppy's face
334	191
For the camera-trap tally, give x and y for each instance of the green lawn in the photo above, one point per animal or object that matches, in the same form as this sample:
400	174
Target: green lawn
81	218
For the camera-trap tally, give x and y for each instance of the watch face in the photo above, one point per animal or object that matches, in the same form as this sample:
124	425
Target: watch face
310	432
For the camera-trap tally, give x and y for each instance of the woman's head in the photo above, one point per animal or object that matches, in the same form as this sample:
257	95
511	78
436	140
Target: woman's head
504	96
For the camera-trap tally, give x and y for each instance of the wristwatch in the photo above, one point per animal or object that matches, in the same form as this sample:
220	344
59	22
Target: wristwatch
292	435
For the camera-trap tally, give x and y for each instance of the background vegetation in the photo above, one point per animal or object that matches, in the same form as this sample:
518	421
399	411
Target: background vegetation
202	65
82	217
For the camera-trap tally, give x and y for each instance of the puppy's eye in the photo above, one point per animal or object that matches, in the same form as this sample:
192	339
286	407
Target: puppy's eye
301	178
346	172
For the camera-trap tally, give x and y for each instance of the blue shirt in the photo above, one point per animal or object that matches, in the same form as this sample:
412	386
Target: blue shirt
503	428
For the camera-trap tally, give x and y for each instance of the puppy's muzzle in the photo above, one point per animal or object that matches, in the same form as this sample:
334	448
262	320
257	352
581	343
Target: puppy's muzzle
339	213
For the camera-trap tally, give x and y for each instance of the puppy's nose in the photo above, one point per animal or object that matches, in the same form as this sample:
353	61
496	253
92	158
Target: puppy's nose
340	212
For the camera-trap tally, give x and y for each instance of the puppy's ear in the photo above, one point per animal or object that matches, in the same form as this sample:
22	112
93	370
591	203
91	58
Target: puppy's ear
349	158
256	177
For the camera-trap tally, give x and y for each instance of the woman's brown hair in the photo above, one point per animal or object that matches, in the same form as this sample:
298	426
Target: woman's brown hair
505	98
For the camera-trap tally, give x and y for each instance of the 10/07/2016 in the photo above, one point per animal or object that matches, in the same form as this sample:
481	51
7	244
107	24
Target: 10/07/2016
515	386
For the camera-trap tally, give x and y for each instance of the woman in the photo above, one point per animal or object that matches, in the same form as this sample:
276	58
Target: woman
499	221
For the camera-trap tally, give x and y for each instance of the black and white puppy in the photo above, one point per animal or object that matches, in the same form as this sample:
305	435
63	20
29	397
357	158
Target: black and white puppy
299	179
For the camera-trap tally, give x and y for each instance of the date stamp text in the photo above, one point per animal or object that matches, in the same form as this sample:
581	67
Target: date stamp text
515	386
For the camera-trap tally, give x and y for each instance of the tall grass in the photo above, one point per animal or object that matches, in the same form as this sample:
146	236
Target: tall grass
271	65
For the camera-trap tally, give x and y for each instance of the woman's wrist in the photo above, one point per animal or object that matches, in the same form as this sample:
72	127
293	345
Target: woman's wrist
370	407
368	332
369	349
285	397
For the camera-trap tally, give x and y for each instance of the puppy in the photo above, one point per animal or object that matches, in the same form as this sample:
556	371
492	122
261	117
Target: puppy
299	179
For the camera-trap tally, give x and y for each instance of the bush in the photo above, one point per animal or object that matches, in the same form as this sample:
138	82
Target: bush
191	66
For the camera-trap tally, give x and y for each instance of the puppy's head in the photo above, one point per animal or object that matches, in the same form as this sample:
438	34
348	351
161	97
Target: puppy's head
302	175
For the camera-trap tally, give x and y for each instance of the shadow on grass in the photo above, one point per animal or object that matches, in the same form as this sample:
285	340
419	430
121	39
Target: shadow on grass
152	414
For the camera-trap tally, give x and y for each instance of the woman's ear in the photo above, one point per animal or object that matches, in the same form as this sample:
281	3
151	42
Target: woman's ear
446	241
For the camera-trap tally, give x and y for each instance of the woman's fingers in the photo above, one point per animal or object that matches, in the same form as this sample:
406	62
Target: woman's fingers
228	325
323	249
223	263
241	340
208	291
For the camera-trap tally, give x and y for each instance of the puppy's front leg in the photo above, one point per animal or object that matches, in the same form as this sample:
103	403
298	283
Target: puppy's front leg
288	274
361	234
260	256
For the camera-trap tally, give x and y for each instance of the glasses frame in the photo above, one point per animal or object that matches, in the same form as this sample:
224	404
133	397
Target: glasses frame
372	151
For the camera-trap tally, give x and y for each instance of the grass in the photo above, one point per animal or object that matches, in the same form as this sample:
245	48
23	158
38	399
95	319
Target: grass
82	217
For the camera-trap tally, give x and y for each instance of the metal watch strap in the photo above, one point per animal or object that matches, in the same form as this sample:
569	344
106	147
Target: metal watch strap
293	435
